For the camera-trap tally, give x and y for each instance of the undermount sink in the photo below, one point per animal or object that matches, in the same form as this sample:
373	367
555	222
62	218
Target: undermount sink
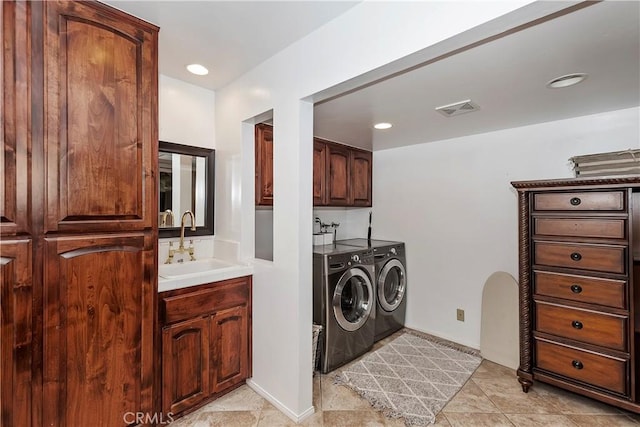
191	268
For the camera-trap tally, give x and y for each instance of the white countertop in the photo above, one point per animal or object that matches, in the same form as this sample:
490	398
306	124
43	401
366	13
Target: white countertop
198	273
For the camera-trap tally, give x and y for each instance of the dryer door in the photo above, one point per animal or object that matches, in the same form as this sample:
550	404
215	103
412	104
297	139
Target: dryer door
353	299
392	284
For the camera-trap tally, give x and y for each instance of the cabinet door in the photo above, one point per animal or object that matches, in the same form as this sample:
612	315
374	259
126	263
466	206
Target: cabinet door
101	119
15	124
230	348
339	166
264	165
319	173
185	364
16	293
361	178
99	308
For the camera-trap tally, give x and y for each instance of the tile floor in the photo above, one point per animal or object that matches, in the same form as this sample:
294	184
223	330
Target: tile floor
491	397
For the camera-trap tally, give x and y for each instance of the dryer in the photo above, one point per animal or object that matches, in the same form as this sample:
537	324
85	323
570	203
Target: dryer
390	283
343	302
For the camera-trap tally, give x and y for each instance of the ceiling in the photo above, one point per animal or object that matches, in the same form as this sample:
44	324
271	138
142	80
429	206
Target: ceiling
228	37
505	77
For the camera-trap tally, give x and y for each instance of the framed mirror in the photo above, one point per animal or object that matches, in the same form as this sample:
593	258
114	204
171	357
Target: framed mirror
185	183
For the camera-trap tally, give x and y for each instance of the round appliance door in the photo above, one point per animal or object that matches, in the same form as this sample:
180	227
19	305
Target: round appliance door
353	299
392	284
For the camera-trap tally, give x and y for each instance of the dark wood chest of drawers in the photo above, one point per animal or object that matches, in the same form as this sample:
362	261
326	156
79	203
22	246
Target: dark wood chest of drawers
579	299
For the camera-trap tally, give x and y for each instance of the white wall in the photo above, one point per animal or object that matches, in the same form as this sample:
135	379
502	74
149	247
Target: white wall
365	38
452	203
186	116
186	113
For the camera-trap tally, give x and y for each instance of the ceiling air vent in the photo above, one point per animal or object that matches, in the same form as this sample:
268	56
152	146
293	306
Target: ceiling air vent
458	108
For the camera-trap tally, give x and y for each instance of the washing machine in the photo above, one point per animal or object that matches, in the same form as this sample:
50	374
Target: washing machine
343	303
390	283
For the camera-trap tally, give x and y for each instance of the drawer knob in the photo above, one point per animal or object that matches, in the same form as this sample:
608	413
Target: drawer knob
575	201
576	256
577	324
577	364
576	289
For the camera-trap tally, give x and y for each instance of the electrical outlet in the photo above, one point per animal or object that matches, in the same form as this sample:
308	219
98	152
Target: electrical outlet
460	314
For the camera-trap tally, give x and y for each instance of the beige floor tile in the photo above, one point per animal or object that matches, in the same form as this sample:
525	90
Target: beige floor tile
470	398
441	421
571	403
228	419
488	370
275	418
602	420
240	399
336	397
365	418
540	420
478	420
317	392
509	398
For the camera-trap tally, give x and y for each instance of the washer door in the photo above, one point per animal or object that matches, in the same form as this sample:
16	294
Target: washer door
353	299
392	284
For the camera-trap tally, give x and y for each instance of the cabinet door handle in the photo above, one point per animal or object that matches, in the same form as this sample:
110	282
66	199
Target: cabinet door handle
576	289
577	364
576	256
577	324
575	201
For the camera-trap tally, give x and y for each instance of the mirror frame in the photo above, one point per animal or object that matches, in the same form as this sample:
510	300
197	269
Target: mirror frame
209	155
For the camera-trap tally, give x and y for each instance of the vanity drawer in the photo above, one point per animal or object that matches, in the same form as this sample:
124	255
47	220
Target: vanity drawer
607	258
227	294
579	201
593	368
593	327
581	288
580	227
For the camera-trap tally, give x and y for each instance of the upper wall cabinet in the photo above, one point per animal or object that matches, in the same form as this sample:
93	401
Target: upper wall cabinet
264	165
342	175
100	80
346	173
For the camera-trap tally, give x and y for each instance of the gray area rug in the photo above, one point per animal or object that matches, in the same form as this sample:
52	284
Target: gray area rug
411	377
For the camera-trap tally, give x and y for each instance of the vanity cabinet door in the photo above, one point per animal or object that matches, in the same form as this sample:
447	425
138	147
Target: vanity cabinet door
99	299
15	119
264	165
229	348
100	133
319	173
185	364
16	302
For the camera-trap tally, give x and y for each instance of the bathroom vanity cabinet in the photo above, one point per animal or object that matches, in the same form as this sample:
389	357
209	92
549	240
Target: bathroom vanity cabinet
580	286
206	342
78	207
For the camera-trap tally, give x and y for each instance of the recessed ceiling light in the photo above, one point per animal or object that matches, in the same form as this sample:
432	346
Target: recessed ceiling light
198	69
382	125
566	80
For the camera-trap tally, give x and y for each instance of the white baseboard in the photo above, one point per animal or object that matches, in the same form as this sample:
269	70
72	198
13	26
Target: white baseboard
475	346
297	418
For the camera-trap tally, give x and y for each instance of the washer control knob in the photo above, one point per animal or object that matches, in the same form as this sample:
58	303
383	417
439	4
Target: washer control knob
393	251
355	258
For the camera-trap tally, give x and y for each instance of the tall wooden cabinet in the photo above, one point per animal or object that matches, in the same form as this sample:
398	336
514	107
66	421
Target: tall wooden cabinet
580	286
80	160
264	164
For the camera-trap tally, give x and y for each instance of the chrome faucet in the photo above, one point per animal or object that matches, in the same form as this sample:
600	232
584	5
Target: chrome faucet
181	249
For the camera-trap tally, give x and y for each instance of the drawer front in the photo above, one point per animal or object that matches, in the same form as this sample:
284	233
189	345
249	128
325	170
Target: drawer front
584	257
193	304
581	288
580	227
587	201
606	330
593	368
